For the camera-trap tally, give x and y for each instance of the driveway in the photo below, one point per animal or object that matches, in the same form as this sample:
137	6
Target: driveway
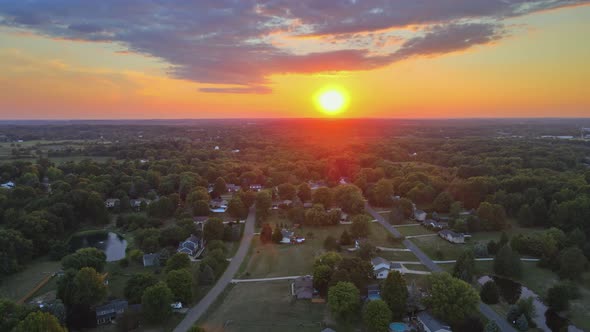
483	308
199	309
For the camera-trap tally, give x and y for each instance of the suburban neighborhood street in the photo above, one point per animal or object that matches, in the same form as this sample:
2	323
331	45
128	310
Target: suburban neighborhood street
193	315
430	264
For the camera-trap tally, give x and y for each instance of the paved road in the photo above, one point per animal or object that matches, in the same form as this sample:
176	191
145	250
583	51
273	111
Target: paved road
483	308
198	310
237	281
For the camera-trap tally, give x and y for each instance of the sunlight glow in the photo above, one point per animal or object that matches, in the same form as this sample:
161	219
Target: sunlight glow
331	101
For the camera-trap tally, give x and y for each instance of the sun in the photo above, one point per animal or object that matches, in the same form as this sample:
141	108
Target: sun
331	101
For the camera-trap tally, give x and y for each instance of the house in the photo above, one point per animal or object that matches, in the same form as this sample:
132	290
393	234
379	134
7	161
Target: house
451	236
151	260
298	240
218	205
8	185
420	215
136	203
435	224
382	266
176	305
287	235
216	148
255	187
307	205
431	324
191	246
108	312
112	202
302	288
359	242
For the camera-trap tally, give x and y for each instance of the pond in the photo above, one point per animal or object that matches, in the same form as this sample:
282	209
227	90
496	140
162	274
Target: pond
112	244
545	318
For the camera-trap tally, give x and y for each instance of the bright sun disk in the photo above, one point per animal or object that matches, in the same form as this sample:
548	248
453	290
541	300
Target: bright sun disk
331	101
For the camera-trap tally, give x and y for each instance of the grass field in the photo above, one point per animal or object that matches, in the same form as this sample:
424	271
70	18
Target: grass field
430	245
272	260
243	309
19	284
414	230
407	256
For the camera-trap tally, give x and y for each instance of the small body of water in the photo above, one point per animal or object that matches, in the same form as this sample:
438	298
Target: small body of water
545	318
112	244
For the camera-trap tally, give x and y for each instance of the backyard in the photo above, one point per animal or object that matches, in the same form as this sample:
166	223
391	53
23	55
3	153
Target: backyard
243	309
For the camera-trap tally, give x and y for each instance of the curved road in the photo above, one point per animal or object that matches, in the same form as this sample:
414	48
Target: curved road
198	310
483	308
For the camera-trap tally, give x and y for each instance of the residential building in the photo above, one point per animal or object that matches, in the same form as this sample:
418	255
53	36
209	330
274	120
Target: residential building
191	246
151	260
136	203
420	215
431	324
112	202
108	312
255	187
287	235
451	236
8	185
218	205
302	288
233	188
382	267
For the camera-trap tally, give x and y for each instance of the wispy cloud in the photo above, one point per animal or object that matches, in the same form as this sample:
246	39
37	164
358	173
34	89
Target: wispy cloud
223	41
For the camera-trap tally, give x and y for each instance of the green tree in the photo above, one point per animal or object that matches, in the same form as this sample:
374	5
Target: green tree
507	263
206	274
213	229
39	322
156	302
200	208
464	268
558	297
287	191
383	192
198	194
195	328
277	235
219	187
136	285
377	316
85	257
330	243
442	202
490	293
178	261
321	277
180	283
572	263
360	226
395	293
89	287
331	259
322	196
345	239
451	299
263	204
343	299
525	216
236	208
304	192
350	198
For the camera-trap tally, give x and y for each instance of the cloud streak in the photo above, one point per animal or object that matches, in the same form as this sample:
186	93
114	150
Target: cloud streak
225	41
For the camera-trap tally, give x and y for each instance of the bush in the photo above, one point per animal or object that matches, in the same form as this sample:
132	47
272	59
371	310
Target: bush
490	293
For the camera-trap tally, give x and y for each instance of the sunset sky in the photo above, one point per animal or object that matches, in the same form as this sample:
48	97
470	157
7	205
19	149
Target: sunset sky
125	59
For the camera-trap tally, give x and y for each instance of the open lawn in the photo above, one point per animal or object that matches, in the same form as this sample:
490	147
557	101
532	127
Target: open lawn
433	244
277	260
244	309
406	256
414	230
19	284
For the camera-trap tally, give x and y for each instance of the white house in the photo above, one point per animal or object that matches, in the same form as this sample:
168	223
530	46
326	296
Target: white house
255	187
112	202
8	185
451	236
420	215
382	266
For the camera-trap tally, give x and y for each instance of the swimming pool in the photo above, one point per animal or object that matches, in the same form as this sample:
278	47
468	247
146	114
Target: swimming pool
398	327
